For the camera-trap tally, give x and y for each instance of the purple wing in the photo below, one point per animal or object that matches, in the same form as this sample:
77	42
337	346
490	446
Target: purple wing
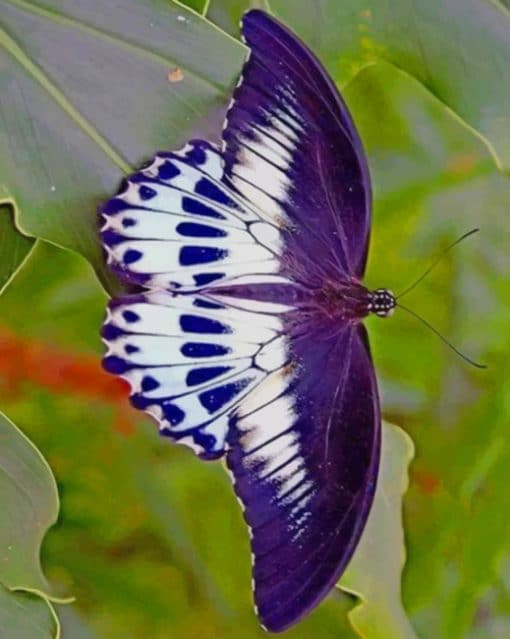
290	146
304	454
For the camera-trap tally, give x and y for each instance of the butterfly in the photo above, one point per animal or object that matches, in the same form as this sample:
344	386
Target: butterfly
246	340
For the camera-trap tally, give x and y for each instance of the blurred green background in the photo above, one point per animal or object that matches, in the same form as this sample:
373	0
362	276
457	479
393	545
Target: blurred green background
150	541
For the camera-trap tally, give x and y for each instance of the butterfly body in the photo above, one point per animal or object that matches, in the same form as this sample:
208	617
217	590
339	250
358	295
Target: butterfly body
247	339
345	301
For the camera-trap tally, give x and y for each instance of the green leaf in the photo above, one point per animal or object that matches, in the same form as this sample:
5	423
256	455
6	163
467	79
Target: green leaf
26	616
29	499
68	296
458	49
73	625
477	531
374	573
14	246
200	6
85	95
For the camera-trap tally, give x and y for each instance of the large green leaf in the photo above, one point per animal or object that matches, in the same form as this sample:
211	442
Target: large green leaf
29	500
458	49
374	573
73	625
66	291
26	616
14	246
85	94
433	181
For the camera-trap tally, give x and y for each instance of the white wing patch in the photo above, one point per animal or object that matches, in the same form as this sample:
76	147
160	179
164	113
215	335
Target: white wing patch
176	225
262	154
190	361
271	448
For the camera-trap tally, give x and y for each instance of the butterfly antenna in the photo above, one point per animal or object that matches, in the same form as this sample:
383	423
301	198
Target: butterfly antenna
441	337
436	262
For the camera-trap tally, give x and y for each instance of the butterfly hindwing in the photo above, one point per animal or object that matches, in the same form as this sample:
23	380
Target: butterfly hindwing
190	361
296	411
304	452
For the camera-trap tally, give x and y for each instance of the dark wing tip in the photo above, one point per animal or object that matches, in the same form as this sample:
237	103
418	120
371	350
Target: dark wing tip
278	618
255	19
254	14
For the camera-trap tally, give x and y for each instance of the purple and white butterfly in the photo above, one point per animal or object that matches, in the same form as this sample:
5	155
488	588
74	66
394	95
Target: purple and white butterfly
247	340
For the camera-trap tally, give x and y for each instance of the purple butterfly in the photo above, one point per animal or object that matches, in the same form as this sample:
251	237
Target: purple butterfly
247	340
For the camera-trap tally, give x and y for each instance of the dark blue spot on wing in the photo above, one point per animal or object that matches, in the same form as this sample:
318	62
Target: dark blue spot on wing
209	190
135	178
146	193
202	279
149	384
130	316
111	332
202	375
115	205
131	256
213	400
190	255
131	348
139	401
190	205
115	365
205	440
197	324
168	171
200	303
173	413
199	349
192	229
196	155
128	221
111	238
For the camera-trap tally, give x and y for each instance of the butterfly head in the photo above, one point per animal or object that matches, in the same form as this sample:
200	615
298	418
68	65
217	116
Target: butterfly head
382	302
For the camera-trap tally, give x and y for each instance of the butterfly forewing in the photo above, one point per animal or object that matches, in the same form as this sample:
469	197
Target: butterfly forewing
191	360
291	147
